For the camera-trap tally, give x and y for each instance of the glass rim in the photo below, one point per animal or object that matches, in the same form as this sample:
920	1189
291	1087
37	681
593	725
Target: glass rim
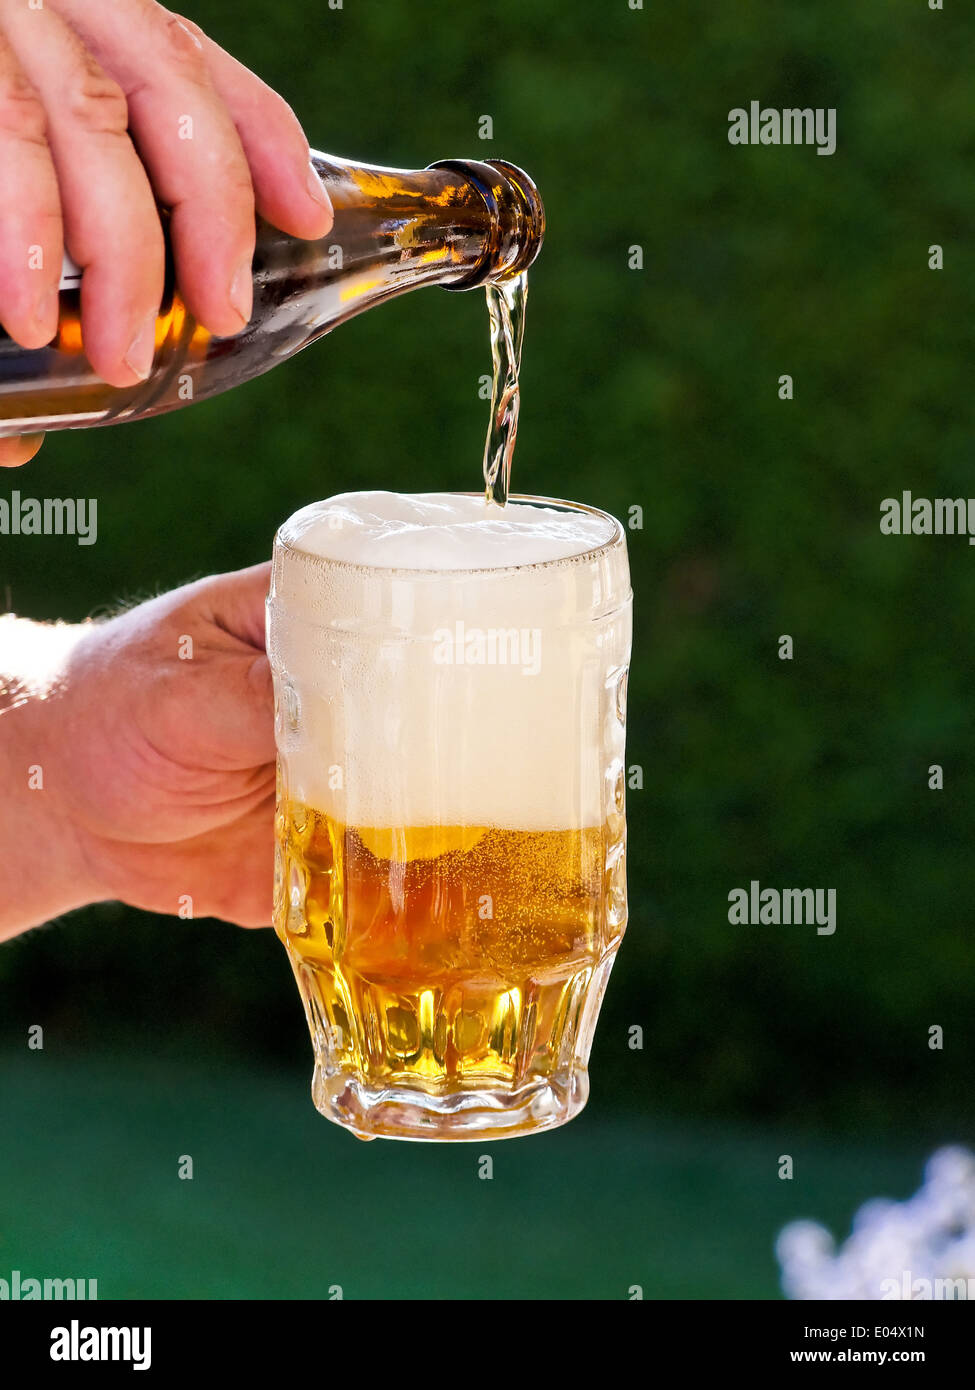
593	553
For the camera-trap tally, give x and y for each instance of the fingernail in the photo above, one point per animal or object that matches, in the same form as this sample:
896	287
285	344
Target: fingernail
316	190
142	349
242	290
46	312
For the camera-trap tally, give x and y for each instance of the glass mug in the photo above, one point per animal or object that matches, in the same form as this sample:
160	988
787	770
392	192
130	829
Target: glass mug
450	878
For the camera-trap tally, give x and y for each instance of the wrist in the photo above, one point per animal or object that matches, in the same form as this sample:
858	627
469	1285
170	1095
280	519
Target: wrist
43	868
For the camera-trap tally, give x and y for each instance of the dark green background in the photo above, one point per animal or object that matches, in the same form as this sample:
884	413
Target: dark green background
658	388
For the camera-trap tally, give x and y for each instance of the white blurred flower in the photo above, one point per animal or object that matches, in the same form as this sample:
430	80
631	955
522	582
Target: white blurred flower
895	1249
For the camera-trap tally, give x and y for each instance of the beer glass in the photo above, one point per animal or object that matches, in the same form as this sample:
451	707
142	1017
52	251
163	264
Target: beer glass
450	880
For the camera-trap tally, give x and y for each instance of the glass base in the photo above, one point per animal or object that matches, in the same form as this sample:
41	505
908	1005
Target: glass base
410	1113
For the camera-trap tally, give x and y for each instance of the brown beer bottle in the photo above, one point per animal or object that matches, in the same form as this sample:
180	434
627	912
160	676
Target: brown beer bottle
458	224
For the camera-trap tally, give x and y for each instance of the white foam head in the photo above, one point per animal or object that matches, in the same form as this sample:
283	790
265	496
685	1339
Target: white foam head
441	531
440	662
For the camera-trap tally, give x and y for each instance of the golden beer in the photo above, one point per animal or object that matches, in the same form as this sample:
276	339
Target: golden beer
436	956
450	884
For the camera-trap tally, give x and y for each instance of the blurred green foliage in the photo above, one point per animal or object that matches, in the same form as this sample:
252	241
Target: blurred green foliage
284	1205
658	388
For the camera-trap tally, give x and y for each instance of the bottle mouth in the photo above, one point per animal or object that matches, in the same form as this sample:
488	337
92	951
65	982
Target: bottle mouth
517	219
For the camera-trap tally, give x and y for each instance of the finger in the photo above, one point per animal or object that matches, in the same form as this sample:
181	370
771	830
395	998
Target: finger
240	716
14	452
238	864
228	872
111	224
235	602
218	710
288	192
233	730
191	148
30	211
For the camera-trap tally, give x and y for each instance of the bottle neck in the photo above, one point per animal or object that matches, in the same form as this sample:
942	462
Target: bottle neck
516	219
457	224
471	222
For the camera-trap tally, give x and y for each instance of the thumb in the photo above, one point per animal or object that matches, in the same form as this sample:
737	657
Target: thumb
235	602
240	711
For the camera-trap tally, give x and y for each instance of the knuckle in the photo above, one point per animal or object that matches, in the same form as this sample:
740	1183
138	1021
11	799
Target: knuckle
238	190
182	43
21	109
96	102
190	25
